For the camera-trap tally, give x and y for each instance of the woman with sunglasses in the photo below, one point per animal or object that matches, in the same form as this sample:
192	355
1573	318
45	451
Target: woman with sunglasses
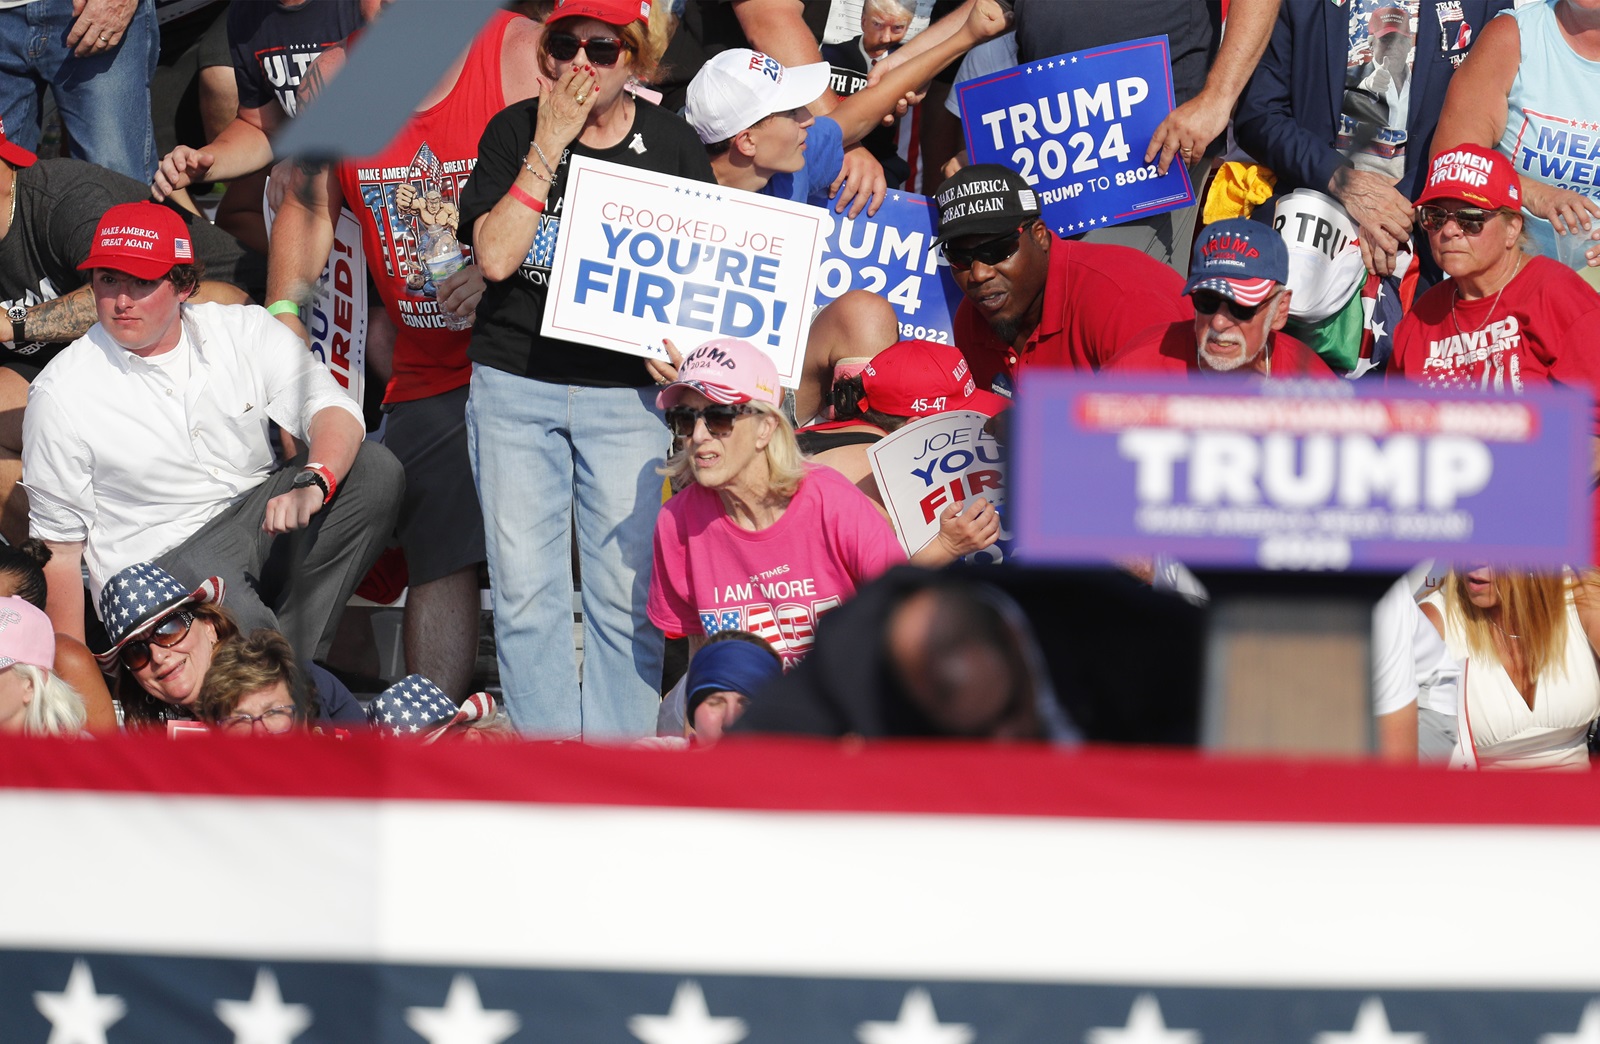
561	432
163	637
757	539
1528	87
1505	319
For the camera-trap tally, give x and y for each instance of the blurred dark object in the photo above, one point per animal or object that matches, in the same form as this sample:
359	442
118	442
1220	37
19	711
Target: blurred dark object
1122	660
401	56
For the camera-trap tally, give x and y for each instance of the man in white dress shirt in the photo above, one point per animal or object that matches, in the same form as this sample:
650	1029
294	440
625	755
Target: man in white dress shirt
147	439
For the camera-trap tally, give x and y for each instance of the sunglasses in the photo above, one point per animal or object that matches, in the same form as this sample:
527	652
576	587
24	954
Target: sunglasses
169	632
990	253
718	417
602	50
1471	219
1207	304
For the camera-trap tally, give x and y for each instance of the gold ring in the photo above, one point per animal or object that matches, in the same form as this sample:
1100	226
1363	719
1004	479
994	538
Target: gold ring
104	37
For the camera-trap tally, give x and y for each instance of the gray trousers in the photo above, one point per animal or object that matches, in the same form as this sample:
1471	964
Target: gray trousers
1165	237
297	582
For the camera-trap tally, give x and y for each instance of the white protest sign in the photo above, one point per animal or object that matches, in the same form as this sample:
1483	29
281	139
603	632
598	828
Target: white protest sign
337	322
645	256
932	463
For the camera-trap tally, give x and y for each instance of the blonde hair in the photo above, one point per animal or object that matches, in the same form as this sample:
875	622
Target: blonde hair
785	465
1533	606
56	708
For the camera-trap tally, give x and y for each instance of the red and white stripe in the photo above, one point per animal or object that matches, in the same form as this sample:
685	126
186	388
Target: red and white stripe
916	861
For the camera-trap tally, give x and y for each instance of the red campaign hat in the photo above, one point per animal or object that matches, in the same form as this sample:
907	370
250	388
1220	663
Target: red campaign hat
142	239
920	378
1473	174
1386	20
15	155
611	12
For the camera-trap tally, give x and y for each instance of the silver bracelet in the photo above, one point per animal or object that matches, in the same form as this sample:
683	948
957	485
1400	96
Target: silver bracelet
536	174
543	159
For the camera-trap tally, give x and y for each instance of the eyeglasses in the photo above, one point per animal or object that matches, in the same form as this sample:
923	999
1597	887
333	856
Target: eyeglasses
719	419
990	253
167	633
1207	304
1471	219
273	719
602	50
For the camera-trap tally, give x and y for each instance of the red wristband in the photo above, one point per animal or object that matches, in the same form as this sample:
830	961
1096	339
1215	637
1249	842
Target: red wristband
535	205
325	473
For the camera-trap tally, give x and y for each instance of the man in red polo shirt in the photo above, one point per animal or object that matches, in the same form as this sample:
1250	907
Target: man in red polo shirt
1236	285
1033	298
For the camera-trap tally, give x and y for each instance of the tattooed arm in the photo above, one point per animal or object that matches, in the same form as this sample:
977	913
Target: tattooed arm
68	317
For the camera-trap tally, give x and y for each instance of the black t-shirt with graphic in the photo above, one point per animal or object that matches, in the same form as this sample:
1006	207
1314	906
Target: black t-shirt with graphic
59	205
273	45
506	334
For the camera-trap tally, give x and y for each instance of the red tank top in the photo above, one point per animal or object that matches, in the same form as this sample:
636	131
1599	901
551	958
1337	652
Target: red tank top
432	154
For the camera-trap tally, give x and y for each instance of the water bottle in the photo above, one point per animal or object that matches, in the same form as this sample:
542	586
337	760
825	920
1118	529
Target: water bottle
442	255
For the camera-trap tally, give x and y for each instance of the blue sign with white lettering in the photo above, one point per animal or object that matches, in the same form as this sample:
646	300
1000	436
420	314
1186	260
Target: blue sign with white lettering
1076	127
892	254
1297	475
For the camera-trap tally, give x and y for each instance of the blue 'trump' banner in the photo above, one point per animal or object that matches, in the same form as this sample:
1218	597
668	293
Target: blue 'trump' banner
1076	127
892	254
1297	475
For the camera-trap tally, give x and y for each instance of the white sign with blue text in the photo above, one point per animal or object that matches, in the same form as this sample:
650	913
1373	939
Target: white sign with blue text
936	463
892	254
645	257
1076	127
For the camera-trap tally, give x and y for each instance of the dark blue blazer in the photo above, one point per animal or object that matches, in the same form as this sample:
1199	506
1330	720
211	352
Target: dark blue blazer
1288	115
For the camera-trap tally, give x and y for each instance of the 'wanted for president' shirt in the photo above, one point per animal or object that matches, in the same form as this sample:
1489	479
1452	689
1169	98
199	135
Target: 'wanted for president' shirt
1543	327
510	313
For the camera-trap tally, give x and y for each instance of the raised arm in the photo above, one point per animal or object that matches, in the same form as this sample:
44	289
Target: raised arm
858	114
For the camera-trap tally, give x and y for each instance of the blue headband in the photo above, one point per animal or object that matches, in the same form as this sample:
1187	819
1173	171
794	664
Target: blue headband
734	666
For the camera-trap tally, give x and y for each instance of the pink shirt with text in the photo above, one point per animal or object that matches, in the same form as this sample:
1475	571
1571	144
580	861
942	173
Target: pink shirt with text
712	576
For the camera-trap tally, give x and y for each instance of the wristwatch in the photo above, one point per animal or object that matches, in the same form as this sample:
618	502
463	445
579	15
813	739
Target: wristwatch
18	314
308	478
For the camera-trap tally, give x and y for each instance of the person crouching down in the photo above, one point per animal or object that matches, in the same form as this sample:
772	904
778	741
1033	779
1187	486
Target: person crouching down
255	688
723	678
757	539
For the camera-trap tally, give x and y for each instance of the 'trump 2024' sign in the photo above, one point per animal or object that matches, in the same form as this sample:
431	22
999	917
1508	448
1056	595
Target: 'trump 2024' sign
1076	127
1297	476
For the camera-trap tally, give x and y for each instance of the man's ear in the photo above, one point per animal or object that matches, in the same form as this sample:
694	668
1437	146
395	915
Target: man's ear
1040	233
1281	318
744	144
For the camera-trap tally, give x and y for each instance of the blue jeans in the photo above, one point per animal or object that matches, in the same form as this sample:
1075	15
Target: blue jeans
104	100
544	455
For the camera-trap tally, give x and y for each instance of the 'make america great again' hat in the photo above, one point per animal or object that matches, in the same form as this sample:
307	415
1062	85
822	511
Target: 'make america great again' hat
986	199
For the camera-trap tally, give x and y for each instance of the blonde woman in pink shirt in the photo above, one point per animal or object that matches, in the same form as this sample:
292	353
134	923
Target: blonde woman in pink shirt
757	539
